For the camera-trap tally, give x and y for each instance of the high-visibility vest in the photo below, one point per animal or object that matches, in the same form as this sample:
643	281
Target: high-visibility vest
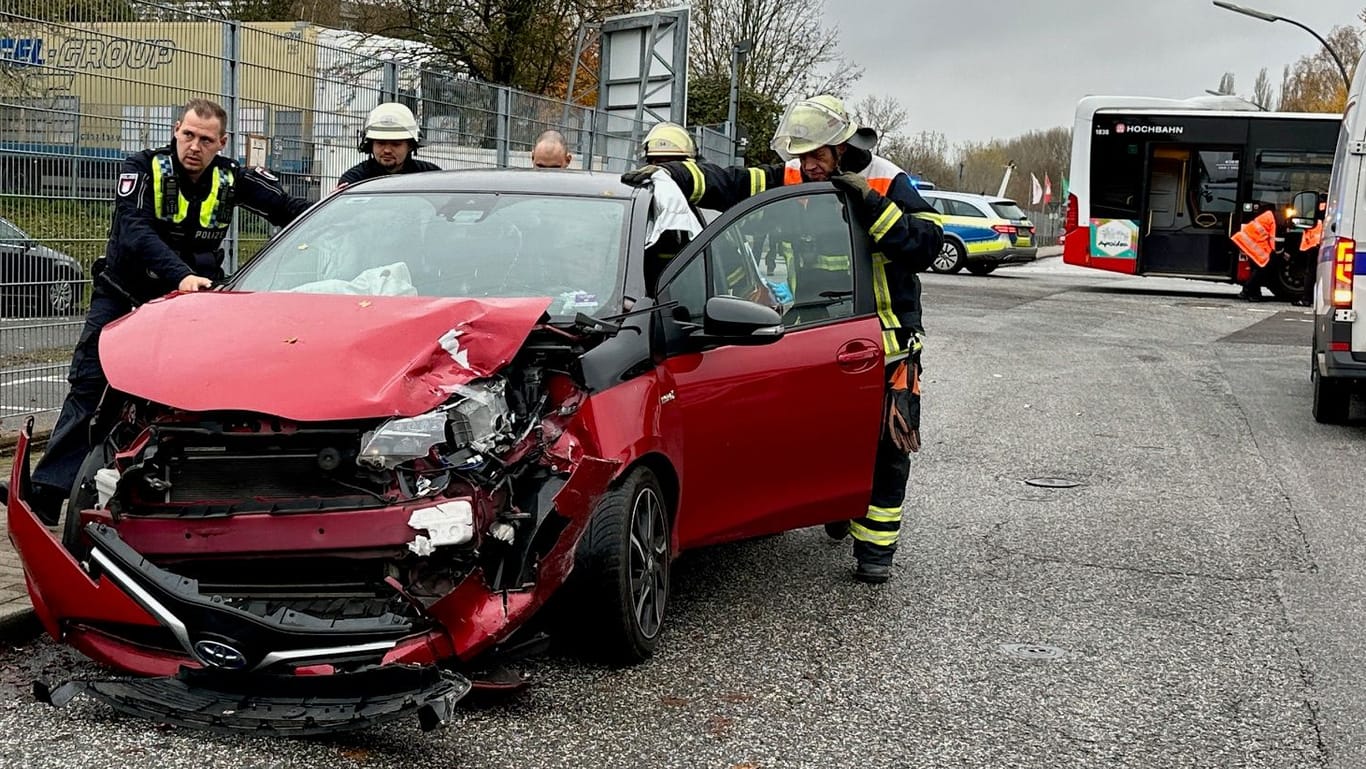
1311	238
1257	238
171	206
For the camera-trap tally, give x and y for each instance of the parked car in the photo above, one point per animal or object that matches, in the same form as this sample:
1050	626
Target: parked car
426	407
35	279
981	233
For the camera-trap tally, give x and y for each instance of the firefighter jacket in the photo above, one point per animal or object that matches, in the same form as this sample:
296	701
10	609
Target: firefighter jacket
369	169
905	230
167	227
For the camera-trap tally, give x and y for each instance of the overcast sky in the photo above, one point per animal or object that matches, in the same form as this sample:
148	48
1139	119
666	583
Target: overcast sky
978	69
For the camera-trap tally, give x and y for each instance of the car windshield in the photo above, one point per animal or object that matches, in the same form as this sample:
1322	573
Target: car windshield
453	245
1007	209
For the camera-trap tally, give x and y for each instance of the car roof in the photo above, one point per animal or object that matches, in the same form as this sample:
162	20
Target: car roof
969	196
533	181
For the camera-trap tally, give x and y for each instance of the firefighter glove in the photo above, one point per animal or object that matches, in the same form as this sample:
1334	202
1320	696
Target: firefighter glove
867	203
903	408
640	176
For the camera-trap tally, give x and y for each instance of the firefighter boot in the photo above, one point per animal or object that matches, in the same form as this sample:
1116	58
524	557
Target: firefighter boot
872	573
837	530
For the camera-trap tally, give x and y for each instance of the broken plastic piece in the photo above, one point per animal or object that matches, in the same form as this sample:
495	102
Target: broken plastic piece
503	532
449	523
106	482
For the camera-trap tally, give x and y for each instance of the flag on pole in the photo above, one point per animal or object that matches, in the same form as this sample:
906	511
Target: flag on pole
1036	191
1047	189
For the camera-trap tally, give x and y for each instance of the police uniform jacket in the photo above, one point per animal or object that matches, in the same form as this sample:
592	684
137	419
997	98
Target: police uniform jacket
167	227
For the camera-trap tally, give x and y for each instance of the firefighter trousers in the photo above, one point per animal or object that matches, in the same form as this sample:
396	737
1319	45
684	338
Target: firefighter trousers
876	533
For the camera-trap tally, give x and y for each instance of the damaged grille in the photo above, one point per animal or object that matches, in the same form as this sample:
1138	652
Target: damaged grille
209	478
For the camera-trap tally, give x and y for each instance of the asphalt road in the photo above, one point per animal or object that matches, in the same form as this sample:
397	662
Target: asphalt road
1197	601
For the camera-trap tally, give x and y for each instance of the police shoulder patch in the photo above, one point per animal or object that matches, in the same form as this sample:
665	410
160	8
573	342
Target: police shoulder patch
263	172
127	183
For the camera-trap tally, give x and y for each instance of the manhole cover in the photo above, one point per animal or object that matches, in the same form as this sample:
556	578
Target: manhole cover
1033	651
1053	483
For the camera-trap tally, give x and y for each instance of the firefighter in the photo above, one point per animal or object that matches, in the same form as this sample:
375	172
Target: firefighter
172	209
551	151
390	138
820	142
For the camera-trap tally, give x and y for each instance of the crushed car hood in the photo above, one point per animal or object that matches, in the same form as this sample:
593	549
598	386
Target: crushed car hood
312	357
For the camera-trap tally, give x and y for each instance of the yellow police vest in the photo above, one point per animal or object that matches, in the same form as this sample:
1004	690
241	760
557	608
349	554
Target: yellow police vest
171	206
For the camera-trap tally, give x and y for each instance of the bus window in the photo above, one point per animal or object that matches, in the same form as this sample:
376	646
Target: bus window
1216	183
1116	179
1282	174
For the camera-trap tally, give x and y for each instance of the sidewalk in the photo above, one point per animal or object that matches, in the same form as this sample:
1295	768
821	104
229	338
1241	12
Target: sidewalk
17	622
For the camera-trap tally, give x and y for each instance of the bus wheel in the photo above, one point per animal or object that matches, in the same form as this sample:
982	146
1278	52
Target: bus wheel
1287	284
950	258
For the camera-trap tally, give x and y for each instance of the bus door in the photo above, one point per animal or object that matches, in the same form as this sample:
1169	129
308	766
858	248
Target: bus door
1190	210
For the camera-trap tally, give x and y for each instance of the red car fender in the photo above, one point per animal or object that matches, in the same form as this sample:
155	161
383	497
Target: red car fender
57	585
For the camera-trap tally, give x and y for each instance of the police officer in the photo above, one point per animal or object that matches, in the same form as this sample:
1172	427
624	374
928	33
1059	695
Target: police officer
171	213
390	138
821	142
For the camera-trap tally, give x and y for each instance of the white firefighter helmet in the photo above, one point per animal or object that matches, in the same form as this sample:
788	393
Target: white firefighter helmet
809	124
389	121
668	140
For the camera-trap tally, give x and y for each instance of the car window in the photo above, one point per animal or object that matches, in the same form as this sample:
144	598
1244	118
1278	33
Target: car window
9	232
450	244
964	208
807	241
1007	209
938	204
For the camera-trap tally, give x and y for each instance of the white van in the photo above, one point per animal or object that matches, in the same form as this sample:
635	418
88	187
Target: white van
1339	361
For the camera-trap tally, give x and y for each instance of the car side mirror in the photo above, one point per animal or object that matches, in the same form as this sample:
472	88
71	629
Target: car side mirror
730	320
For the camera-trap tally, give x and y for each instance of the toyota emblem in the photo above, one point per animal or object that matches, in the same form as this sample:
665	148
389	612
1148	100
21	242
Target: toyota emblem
220	655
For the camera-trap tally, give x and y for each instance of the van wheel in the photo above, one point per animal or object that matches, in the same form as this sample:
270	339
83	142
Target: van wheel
1287	284
982	268
1332	400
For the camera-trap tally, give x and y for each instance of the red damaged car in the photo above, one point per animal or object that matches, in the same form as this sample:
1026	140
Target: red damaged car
334	491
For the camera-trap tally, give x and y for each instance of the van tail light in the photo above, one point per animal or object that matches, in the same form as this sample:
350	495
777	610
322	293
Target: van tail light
1071	222
1344	264
1004	229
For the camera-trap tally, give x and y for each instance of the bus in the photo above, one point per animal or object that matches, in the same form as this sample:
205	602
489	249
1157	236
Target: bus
1159	186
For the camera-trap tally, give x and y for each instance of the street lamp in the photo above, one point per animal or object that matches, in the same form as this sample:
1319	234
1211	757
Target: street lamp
737	52
1264	16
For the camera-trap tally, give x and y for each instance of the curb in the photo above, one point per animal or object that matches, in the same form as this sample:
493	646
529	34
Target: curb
19	626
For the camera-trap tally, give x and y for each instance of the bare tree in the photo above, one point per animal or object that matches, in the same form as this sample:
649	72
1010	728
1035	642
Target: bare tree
795	52
1314	83
884	113
1262	93
1226	84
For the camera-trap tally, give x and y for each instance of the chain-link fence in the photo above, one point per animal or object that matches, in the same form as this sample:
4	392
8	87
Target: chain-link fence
82	90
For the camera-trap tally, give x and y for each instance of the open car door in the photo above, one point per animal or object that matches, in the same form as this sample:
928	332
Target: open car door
778	434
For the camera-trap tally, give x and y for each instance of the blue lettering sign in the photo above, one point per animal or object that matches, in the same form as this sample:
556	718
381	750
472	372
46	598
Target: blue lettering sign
23	51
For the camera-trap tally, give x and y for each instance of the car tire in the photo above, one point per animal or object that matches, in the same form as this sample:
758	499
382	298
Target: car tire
950	258
982	268
622	585
83	497
60	297
1332	400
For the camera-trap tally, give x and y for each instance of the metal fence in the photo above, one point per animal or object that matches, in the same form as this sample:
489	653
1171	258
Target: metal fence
82	90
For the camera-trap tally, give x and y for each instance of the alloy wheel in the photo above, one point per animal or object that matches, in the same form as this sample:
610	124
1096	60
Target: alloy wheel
649	571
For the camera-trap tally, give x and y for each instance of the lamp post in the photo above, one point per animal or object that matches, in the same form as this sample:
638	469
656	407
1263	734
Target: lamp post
737	53
1264	16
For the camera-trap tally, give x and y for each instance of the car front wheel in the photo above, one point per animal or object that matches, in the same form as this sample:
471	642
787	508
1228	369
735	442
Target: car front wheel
981	268
623	562
950	259
58	297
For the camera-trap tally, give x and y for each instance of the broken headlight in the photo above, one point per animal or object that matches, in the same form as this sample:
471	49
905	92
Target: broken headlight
478	420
